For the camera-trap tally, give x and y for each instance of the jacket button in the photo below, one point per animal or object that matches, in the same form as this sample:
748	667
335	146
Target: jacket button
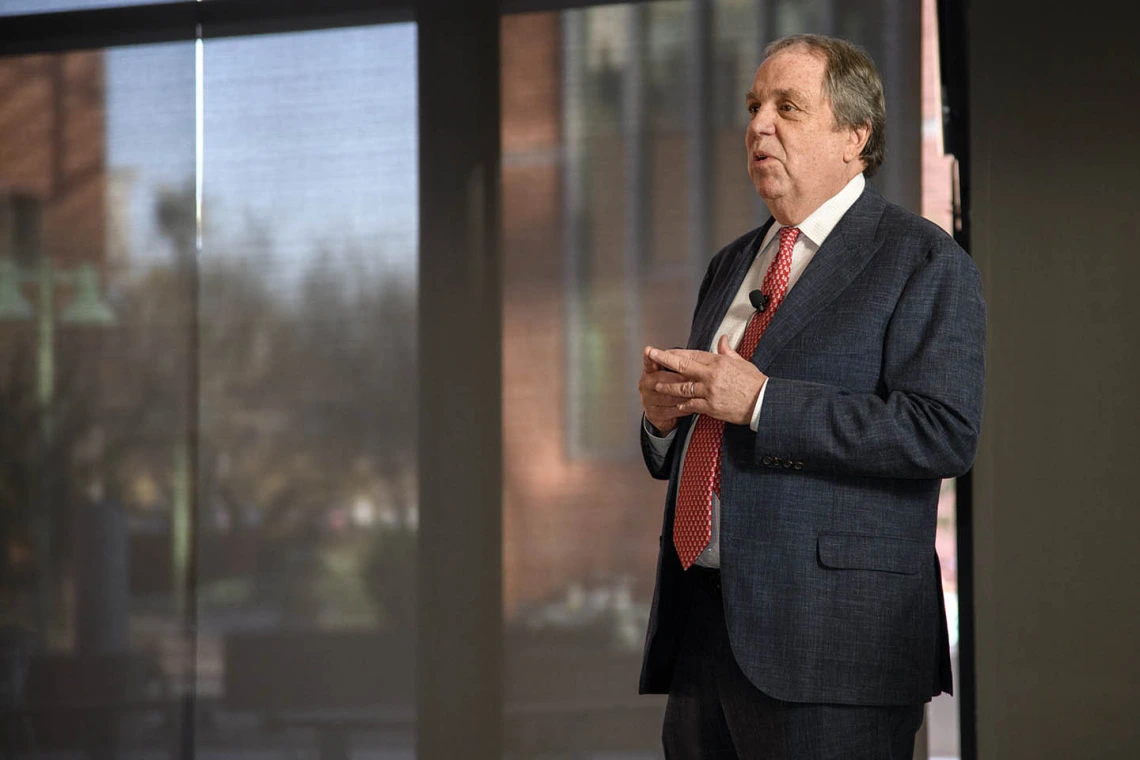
787	463
776	461
766	461
798	466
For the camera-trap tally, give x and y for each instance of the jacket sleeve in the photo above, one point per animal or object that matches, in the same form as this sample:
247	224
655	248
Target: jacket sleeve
660	468
925	420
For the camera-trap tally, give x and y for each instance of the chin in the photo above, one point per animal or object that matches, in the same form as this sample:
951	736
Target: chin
766	189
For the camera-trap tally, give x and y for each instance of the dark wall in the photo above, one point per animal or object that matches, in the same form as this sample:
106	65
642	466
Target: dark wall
1054	127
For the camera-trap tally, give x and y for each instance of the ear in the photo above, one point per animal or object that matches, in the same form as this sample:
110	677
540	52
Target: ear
856	140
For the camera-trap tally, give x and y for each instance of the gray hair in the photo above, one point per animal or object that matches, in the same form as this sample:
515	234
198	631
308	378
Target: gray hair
852	84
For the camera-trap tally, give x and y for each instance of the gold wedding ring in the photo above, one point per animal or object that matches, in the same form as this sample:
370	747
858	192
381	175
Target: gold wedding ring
690	389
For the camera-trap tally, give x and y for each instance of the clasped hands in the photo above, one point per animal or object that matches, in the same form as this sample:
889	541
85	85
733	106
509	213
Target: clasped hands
679	382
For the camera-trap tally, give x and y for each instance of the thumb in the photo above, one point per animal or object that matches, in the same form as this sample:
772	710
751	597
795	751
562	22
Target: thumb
725	348
647	364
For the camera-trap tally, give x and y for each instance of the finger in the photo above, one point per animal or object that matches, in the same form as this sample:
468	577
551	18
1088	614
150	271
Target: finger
661	400
684	361
666	399
686	389
653	398
666	377
662	404
648	383
670	412
725	348
694	406
647	364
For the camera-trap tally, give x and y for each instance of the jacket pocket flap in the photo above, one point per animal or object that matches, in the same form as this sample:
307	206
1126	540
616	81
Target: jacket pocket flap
852	551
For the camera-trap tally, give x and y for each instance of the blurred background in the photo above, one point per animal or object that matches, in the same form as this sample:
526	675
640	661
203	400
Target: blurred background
219	339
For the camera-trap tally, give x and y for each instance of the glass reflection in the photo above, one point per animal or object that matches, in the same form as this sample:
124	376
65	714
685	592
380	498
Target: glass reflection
92	372
207	473
306	471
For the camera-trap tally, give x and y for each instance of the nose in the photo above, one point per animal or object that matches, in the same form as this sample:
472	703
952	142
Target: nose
763	122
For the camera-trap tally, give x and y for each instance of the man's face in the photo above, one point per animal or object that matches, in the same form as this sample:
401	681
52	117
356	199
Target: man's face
797	158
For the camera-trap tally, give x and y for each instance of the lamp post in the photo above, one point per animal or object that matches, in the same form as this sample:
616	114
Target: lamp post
86	308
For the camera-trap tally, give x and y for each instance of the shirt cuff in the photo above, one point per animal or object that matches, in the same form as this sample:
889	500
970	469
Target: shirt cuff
659	442
755	424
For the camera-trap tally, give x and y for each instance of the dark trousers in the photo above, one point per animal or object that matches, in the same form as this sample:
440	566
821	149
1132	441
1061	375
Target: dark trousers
714	711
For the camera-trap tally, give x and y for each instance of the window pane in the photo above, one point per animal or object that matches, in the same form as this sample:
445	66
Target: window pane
622	175
307	480
95	150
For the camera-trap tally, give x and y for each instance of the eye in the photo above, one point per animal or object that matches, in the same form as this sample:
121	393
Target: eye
753	108
788	107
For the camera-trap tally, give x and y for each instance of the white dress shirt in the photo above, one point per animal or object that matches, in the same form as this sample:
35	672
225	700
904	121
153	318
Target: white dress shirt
813	231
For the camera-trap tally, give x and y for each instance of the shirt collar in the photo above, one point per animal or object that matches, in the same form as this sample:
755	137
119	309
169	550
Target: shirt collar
822	221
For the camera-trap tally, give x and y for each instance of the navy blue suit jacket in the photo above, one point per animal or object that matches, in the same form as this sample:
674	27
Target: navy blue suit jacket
832	588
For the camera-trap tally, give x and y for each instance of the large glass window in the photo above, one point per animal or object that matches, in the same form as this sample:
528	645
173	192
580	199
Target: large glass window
306	456
207	383
94	368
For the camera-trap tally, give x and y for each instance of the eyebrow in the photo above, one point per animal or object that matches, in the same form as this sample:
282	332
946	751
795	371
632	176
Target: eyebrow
788	94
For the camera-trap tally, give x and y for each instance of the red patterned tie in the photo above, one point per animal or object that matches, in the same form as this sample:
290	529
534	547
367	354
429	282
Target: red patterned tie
700	474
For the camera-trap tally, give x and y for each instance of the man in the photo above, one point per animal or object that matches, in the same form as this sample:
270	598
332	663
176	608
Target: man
833	378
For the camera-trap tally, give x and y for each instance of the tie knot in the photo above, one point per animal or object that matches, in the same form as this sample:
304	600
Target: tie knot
788	236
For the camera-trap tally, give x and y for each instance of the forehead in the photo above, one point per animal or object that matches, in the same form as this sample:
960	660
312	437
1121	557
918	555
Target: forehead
792	69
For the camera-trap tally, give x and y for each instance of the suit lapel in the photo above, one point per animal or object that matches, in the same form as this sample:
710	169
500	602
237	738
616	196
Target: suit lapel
712	314
844	254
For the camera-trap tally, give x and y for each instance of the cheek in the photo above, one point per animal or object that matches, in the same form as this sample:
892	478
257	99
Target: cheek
808	152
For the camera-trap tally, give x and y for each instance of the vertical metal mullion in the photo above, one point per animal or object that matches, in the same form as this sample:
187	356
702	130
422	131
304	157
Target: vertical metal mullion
967	686
953	57
191	454
459	567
